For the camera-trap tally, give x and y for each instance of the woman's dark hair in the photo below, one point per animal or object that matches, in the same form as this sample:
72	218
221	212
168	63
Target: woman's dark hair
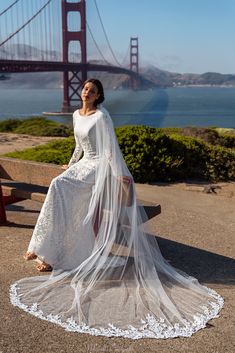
99	87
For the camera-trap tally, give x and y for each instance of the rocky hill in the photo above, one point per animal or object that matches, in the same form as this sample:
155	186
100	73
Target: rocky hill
171	79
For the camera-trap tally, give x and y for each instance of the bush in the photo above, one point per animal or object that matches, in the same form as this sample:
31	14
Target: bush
227	140
152	155
204	134
220	164
9	125
58	152
212	136
169	130
193	156
37	126
136	145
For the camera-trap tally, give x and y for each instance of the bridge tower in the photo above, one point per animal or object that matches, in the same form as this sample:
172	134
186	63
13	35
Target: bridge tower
73	79
134	60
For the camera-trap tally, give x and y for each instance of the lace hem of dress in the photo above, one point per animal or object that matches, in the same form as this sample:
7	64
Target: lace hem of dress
150	328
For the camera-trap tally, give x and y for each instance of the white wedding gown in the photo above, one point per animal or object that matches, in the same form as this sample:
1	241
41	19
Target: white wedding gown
88	218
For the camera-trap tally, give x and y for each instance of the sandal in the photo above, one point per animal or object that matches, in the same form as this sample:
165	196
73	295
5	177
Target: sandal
30	256
44	267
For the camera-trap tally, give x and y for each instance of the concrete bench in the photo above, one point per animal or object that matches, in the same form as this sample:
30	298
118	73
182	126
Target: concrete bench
22	180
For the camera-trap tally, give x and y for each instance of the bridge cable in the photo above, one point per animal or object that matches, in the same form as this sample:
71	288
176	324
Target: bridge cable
35	31
50	31
105	33
46	33
41	37
8	8
26	23
23	15
97	47
32	34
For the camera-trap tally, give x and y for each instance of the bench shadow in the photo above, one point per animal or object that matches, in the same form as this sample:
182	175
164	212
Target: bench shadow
18	225
26	187
23	209
206	266
18	208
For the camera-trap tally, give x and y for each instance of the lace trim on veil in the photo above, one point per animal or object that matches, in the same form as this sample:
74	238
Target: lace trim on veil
150	328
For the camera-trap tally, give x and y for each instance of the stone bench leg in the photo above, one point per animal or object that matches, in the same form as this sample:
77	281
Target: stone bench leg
3	218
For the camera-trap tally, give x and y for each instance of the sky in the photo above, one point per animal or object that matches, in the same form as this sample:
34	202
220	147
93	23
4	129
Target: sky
185	36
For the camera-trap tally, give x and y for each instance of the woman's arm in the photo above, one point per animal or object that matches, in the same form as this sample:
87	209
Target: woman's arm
77	153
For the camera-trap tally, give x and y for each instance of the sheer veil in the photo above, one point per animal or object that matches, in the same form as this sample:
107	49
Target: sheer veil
125	287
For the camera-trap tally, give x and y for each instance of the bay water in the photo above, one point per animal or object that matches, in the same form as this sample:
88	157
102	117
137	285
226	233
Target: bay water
175	107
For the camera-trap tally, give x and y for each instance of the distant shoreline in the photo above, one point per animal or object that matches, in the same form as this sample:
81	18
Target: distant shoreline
202	86
26	87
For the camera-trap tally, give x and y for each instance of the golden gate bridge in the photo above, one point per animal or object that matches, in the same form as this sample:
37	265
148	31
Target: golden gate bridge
37	23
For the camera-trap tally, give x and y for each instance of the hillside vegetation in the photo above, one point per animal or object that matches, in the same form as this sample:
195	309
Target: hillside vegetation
37	126
153	154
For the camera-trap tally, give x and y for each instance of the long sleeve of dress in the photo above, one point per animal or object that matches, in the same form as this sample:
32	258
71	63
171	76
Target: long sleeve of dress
77	153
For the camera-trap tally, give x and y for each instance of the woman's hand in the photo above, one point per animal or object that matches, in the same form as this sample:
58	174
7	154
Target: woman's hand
125	179
65	166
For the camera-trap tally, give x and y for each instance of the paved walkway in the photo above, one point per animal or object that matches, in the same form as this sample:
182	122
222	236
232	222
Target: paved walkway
196	234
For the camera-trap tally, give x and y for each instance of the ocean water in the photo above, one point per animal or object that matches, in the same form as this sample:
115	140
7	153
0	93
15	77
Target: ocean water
176	107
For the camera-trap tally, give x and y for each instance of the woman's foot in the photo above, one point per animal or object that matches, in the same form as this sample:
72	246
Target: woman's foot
44	267
30	256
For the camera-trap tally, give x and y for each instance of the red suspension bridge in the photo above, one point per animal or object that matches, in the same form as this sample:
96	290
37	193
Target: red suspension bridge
30	42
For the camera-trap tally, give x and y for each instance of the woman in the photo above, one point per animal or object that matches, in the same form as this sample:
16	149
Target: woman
109	277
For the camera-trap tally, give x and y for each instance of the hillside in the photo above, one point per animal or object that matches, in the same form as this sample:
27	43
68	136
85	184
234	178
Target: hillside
159	78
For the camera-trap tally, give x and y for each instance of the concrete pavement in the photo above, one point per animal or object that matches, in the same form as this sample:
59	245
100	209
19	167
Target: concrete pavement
196	233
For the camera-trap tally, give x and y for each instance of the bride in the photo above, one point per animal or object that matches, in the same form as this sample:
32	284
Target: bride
108	275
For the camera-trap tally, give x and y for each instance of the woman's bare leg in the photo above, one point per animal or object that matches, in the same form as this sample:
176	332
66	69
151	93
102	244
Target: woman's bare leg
29	256
44	267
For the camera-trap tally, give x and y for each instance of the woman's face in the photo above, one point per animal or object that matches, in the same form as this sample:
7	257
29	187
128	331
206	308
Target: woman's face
89	93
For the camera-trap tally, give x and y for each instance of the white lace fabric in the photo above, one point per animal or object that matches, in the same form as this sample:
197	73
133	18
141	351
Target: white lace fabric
93	289
148	327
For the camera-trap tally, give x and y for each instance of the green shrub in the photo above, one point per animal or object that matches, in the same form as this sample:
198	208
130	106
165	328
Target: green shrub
227	140
152	155
193	156
58	152
138	146
213	136
204	134
36	126
9	125
169	130
220	164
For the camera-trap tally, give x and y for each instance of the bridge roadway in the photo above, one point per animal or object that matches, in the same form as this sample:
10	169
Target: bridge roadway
22	66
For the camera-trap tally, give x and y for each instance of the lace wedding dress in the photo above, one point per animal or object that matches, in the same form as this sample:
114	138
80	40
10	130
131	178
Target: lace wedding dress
109	277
